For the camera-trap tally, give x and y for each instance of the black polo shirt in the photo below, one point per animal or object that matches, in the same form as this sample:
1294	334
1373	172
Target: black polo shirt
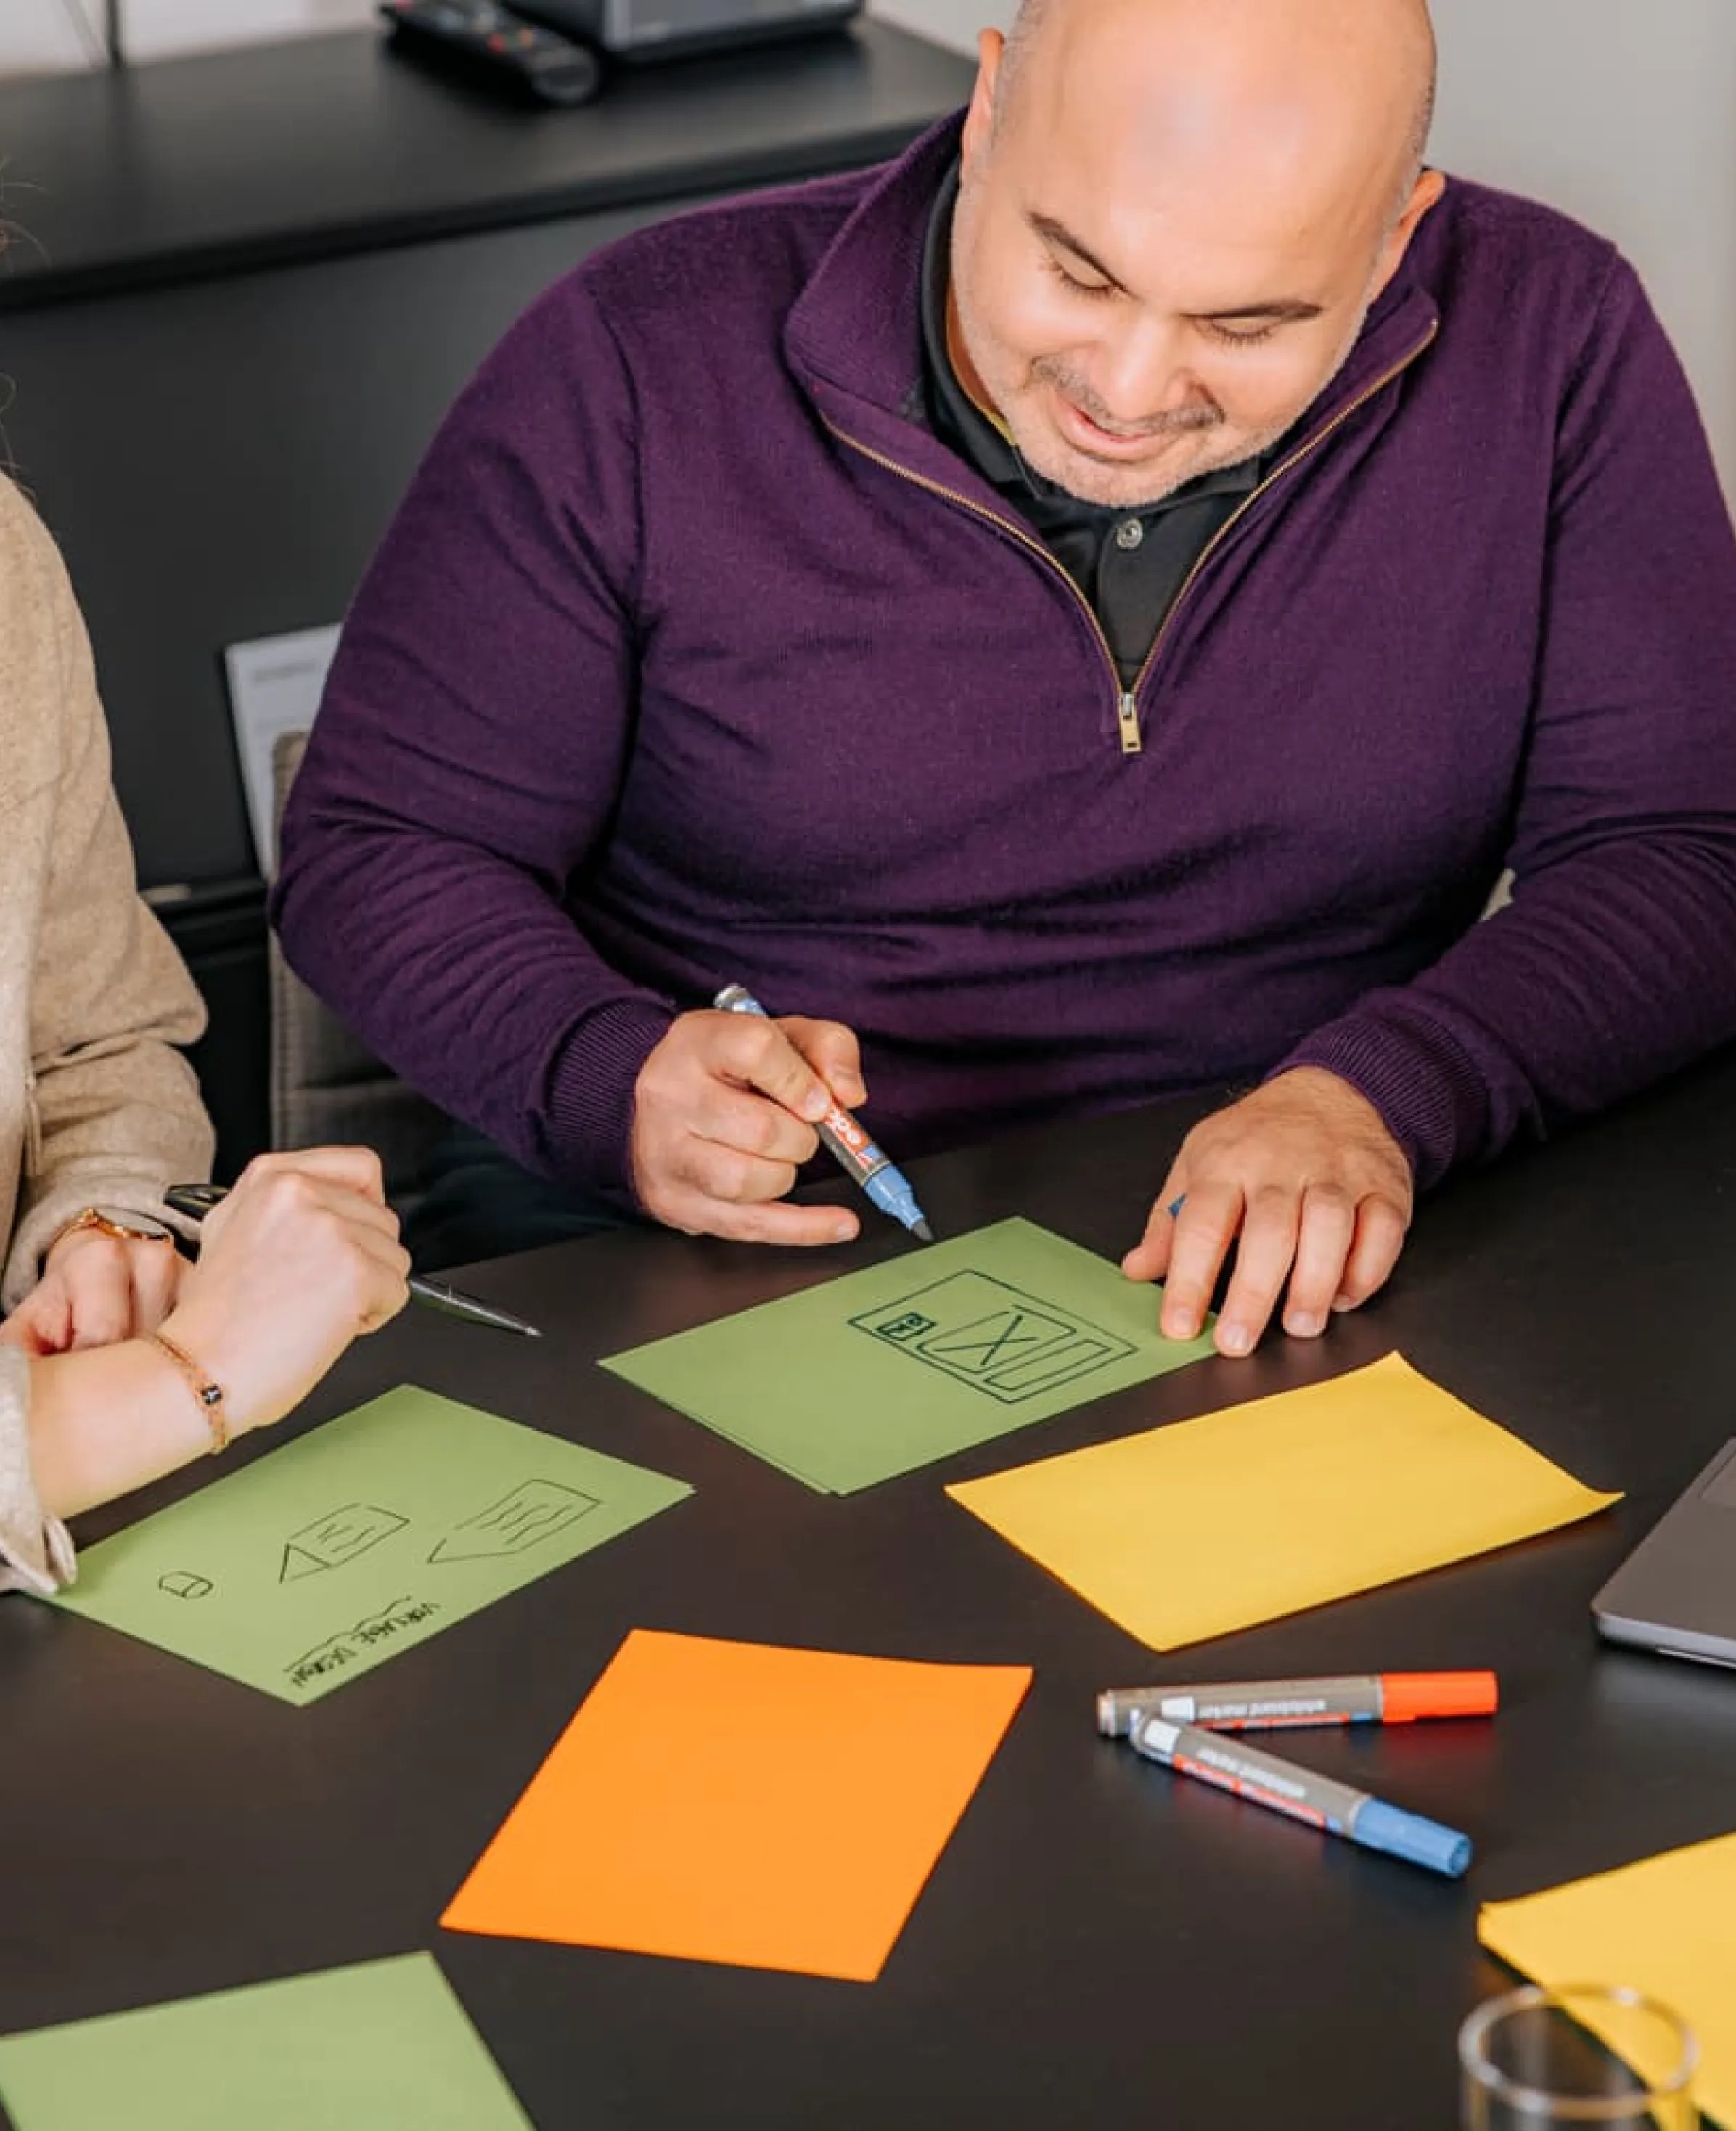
1129	564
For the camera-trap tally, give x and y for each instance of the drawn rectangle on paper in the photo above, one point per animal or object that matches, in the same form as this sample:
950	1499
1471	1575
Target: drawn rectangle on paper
362	1539
859	1379
992	1336
532	1511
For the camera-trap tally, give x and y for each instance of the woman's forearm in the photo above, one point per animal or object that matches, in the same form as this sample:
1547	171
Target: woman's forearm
108	1420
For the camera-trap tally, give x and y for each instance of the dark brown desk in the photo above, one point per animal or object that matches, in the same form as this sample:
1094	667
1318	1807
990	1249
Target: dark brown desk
1099	1943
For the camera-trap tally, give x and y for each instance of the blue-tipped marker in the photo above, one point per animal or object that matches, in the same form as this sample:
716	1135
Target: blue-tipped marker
848	1144
1264	1779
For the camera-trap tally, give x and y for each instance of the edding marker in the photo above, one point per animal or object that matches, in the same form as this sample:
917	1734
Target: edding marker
1261	1705
1263	1779
847	1144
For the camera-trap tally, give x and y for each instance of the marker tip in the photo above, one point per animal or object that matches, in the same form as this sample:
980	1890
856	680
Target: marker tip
921	1229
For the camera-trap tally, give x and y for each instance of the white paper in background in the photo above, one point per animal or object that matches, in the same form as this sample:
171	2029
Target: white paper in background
275	687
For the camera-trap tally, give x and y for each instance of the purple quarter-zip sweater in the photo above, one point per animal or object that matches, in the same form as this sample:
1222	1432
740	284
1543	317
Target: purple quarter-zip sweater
692	656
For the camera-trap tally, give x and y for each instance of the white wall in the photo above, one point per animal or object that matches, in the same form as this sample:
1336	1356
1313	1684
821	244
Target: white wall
155	28
35	34
947	21
1623	113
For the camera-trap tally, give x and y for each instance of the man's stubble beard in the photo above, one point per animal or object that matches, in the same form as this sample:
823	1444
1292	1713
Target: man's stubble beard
1119	494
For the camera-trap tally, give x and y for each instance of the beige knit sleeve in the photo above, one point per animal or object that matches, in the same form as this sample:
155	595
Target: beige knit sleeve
35	1551
115	1110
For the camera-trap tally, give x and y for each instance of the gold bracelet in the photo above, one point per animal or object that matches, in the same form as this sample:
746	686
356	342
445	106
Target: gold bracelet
209	1393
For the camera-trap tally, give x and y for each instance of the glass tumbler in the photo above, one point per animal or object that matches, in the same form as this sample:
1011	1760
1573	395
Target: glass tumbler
1580	2054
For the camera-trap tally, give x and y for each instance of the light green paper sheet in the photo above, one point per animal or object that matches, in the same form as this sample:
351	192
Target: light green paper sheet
880	1372
359	1541
382	2044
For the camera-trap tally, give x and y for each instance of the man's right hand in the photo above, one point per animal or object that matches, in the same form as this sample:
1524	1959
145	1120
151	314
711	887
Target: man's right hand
724	1116
301	1258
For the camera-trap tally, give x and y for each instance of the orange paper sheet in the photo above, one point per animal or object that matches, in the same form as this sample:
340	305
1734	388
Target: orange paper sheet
737	1802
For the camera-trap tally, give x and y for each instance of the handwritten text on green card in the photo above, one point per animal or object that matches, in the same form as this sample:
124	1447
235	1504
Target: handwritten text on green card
370	1534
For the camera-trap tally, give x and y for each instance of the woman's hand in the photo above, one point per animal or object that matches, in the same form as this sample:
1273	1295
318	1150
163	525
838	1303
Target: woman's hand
302	1258
95	1291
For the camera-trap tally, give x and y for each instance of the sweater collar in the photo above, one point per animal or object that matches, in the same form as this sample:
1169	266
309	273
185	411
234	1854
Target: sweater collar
853	336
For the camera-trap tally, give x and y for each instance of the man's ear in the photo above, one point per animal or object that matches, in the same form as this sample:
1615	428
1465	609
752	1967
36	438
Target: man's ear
1425	194
979	121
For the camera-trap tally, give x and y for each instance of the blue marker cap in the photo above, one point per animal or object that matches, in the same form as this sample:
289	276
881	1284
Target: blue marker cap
1409	1836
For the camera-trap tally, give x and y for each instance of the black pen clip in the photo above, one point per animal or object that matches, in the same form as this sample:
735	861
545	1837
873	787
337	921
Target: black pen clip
194	1201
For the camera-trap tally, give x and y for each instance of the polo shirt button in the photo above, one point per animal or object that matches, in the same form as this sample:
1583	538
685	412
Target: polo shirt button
1129	535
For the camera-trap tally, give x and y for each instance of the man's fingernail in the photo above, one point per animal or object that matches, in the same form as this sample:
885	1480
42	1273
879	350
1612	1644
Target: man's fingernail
1234	1339
1307	1324
844	1232
815	1105
1179	1327
1344	1302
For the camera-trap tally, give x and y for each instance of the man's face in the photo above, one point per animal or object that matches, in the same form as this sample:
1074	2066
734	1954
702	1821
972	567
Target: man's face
1139	318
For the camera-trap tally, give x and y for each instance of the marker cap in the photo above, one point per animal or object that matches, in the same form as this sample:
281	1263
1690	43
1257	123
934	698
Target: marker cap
1409	1836
1405	1695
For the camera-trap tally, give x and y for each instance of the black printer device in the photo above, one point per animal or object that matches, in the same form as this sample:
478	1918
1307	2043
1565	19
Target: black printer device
637	31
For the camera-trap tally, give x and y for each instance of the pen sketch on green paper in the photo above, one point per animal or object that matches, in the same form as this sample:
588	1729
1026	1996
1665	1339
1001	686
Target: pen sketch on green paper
370	1634
308	1567
336	1538
184	1583
535	1511
853	1381
993	1337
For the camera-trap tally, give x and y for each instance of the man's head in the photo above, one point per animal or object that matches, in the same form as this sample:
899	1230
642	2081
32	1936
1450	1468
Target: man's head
1173	217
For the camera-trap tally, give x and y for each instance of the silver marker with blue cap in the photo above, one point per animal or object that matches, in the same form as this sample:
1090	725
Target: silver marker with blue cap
848	1144
1264	1779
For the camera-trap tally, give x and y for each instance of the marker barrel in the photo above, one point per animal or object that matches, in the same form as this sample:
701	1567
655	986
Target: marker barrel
1281	1787
849	1146
1260	1705
838	1133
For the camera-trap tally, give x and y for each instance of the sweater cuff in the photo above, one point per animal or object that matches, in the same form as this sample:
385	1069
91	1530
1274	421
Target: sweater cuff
52	1207
36	1551
1430	1095
588	1129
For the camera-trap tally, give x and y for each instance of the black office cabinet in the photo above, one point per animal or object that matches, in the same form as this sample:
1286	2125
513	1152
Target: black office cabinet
248	287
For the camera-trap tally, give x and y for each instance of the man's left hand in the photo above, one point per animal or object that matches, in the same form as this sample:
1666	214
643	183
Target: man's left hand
96	1289
1305	1180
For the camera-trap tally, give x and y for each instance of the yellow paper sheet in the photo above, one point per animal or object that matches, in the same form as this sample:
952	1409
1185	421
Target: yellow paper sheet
1667	1927
1213	1525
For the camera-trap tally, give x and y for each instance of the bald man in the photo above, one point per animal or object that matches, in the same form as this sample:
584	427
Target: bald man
1087	611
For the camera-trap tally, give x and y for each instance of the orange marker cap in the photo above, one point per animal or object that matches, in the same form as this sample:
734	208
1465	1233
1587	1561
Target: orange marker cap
1407	1695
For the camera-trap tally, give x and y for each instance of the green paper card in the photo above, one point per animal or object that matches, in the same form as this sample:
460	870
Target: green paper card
358	1541
353	2049
880	1372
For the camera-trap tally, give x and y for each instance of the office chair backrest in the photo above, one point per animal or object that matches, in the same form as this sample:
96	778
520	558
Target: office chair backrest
327	1087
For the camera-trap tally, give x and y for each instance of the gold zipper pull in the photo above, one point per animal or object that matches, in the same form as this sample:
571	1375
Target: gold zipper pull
1129	713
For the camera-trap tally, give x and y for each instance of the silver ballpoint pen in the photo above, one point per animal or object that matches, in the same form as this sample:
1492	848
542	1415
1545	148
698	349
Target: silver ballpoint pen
196	1201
